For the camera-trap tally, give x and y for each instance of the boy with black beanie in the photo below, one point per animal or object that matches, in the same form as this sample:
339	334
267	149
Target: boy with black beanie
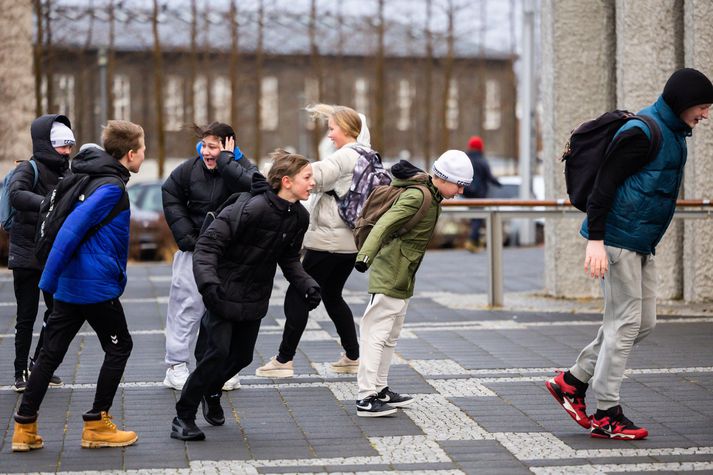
631	206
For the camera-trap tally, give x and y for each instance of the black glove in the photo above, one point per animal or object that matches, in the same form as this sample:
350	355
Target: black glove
313	298
360	266
212	297
187	243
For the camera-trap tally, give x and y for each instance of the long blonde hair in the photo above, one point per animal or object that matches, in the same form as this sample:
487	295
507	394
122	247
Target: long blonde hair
344	117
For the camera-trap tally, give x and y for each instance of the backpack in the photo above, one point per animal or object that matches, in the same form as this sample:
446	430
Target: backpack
241	198
59	203
588	147
7	212
368	174
379	202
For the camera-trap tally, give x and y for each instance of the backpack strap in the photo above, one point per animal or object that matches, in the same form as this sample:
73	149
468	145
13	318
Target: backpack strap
655	142
120	206
37	173
421	213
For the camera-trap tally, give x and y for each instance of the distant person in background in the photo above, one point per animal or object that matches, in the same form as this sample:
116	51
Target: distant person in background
482	179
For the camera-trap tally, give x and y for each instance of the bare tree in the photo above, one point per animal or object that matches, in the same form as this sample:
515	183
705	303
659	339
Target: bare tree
379	87
38	55
111	61
234	60
259	58
447	76
316	64
428	86
158	88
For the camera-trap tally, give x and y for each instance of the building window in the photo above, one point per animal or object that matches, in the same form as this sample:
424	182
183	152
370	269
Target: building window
63	92
405	99
311	97
452	106
200	100
361	96
173	103
220	97
269	104
122	97
493	111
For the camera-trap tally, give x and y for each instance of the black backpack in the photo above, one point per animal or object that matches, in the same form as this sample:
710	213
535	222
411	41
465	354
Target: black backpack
588	147
59	203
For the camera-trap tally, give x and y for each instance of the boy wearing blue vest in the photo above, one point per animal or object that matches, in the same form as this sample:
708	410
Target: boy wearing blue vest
631	206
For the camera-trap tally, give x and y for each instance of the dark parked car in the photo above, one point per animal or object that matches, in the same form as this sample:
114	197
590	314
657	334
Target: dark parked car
150	236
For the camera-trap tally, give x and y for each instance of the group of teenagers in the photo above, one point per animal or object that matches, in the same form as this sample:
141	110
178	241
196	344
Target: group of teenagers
224	269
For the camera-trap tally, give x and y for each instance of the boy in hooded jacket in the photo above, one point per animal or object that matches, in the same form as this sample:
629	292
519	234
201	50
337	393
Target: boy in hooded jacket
234	264
52	142
86	273
393	262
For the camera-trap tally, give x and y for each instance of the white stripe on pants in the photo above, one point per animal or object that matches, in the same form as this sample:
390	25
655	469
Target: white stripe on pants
629	316
379	331
185	310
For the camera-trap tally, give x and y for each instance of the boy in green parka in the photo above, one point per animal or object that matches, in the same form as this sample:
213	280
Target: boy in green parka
394	262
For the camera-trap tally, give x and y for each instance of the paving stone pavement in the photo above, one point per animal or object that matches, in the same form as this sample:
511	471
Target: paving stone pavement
477	375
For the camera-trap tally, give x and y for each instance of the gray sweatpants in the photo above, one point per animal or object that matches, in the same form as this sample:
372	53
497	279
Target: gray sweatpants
379	329
185	310
629	316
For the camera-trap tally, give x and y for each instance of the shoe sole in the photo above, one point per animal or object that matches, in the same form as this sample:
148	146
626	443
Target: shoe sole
388	412
230	388
275	373
601	434
18	390
177	436
172	386
97	444
399	404
26	447
345	369
586	423
56	385
211	421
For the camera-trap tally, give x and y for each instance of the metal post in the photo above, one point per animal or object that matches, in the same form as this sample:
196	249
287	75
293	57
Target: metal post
103	93
526	89
495	259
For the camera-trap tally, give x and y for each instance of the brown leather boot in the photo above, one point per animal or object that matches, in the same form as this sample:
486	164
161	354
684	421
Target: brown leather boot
99	431
25	436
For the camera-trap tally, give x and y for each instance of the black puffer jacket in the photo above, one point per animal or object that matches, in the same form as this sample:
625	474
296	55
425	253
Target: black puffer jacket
239	254
192	190
26	199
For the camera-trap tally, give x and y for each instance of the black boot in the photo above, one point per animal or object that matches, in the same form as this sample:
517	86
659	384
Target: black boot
185	429
212	410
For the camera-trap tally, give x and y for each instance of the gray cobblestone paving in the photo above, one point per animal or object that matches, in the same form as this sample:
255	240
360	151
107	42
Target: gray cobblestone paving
477	376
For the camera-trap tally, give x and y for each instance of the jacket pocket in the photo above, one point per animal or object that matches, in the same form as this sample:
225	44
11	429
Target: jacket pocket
407	266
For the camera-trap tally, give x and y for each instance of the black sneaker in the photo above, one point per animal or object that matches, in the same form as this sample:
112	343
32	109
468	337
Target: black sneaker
185	429
212	410
20	382
55	381
394	399
371	406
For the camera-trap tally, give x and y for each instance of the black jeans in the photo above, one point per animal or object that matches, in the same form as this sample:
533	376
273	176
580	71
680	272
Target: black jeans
27	295
229	347
108	321
331	271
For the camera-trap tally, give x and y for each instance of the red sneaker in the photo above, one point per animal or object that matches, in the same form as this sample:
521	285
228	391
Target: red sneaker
613	424
569	398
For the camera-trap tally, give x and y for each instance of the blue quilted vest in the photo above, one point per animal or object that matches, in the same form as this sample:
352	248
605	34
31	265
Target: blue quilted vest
644	204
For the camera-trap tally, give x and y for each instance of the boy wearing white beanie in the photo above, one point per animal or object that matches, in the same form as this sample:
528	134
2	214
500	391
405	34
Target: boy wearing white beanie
393	261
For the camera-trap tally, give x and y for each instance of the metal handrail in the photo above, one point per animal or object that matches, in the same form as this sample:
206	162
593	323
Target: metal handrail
494	209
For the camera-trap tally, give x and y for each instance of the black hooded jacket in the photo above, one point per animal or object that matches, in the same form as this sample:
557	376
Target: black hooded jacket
236	258
25	199
192	190
482	176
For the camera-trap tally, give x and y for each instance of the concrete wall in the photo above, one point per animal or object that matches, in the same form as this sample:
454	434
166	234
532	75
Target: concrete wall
604	54
17	82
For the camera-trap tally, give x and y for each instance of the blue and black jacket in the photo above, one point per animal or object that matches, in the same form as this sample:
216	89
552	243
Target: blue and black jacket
90	270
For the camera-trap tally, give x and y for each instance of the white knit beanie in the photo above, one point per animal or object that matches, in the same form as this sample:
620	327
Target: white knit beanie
61	135
454	166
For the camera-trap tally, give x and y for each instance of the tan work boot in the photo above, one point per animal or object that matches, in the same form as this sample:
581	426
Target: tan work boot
99	431
345	365
275	369
25	436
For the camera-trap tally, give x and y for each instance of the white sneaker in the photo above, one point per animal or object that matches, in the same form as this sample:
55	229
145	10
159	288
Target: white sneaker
232	383
176	376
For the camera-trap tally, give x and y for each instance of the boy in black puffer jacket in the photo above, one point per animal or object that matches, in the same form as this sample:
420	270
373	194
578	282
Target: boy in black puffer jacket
234	264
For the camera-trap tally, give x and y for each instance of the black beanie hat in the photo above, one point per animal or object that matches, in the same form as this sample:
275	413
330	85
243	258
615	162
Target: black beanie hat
686	88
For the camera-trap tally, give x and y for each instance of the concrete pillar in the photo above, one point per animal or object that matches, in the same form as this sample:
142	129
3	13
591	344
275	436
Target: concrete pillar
649	48
17	94
697	242
578	83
